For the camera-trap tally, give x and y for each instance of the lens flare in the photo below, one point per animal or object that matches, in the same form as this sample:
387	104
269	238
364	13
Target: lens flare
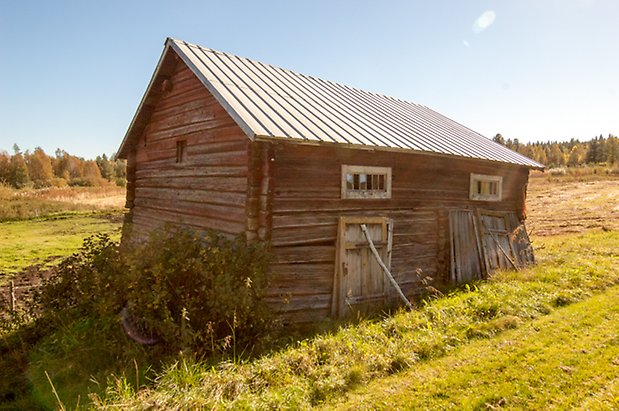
484	21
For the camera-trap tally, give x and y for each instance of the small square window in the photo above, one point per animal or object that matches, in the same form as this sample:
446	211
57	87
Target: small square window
366	182
486	187
181	151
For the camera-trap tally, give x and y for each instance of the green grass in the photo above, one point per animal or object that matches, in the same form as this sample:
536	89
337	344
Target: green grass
78	360
322	369
516	340
36	241
568	359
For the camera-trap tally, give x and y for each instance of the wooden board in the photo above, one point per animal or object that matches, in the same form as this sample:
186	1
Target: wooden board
495	235
360	284
466	257
208	190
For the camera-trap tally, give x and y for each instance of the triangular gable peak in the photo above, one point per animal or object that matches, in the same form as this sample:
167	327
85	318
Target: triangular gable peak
270	103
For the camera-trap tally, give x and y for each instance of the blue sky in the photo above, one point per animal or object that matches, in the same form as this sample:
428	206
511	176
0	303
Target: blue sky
72	73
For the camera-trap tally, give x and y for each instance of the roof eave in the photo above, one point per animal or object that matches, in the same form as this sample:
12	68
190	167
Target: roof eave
288	140
133	128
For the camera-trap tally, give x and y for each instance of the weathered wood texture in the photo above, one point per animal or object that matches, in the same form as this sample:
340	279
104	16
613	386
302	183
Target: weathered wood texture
307	203
208	189
465	247
290	195
259	193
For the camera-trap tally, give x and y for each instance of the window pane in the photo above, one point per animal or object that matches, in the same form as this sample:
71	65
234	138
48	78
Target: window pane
365	182
349	181
181	151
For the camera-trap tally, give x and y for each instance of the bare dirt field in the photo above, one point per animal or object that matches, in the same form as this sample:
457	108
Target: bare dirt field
562	206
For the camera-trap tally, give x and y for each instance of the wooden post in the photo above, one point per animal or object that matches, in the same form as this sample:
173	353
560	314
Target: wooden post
12	296
384	267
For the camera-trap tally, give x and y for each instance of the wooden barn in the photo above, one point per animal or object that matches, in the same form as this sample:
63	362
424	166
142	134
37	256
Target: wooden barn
226	143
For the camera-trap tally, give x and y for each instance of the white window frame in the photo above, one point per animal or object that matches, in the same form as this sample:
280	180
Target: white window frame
484	178
365	194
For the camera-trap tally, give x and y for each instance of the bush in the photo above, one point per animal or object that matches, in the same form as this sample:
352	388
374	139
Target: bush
89	282
199	293
59	182
6	192
120	181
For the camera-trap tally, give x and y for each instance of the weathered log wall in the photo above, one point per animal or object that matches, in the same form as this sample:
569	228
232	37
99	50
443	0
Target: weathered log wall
208	189
307	203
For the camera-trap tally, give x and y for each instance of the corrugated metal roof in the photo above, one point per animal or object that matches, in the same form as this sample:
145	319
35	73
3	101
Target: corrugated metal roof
270	102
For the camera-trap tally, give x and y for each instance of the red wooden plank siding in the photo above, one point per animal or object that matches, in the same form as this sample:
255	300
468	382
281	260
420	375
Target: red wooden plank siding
206	191
306	206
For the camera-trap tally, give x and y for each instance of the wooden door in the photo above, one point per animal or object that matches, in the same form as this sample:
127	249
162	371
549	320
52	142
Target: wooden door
496	240
465	247
360	285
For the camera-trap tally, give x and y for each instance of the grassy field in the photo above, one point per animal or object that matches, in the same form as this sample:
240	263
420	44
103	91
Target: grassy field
26	204
46	240
567	359
41	226
509	332
559	205
542	338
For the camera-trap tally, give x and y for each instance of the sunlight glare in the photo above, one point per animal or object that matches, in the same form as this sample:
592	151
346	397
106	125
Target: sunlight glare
484	21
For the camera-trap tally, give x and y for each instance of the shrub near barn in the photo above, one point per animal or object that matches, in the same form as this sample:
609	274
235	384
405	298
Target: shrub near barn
198	293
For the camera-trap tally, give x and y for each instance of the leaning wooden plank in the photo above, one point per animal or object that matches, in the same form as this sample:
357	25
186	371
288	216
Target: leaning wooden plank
480	250
384	267
339	258
520	239
529	248
496	240
452	242
389	250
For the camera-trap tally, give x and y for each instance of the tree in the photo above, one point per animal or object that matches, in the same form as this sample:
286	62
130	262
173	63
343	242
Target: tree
5	167
106	167
75	167
18	176
120	171
539	154
577	155
499	139
61	165
92	175
40	168
596	150
555	156
611	152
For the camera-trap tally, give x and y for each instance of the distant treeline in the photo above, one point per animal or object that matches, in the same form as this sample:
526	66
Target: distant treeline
572	153
38	170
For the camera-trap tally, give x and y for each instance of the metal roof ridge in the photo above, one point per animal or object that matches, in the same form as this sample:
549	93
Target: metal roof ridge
427	123
210	50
